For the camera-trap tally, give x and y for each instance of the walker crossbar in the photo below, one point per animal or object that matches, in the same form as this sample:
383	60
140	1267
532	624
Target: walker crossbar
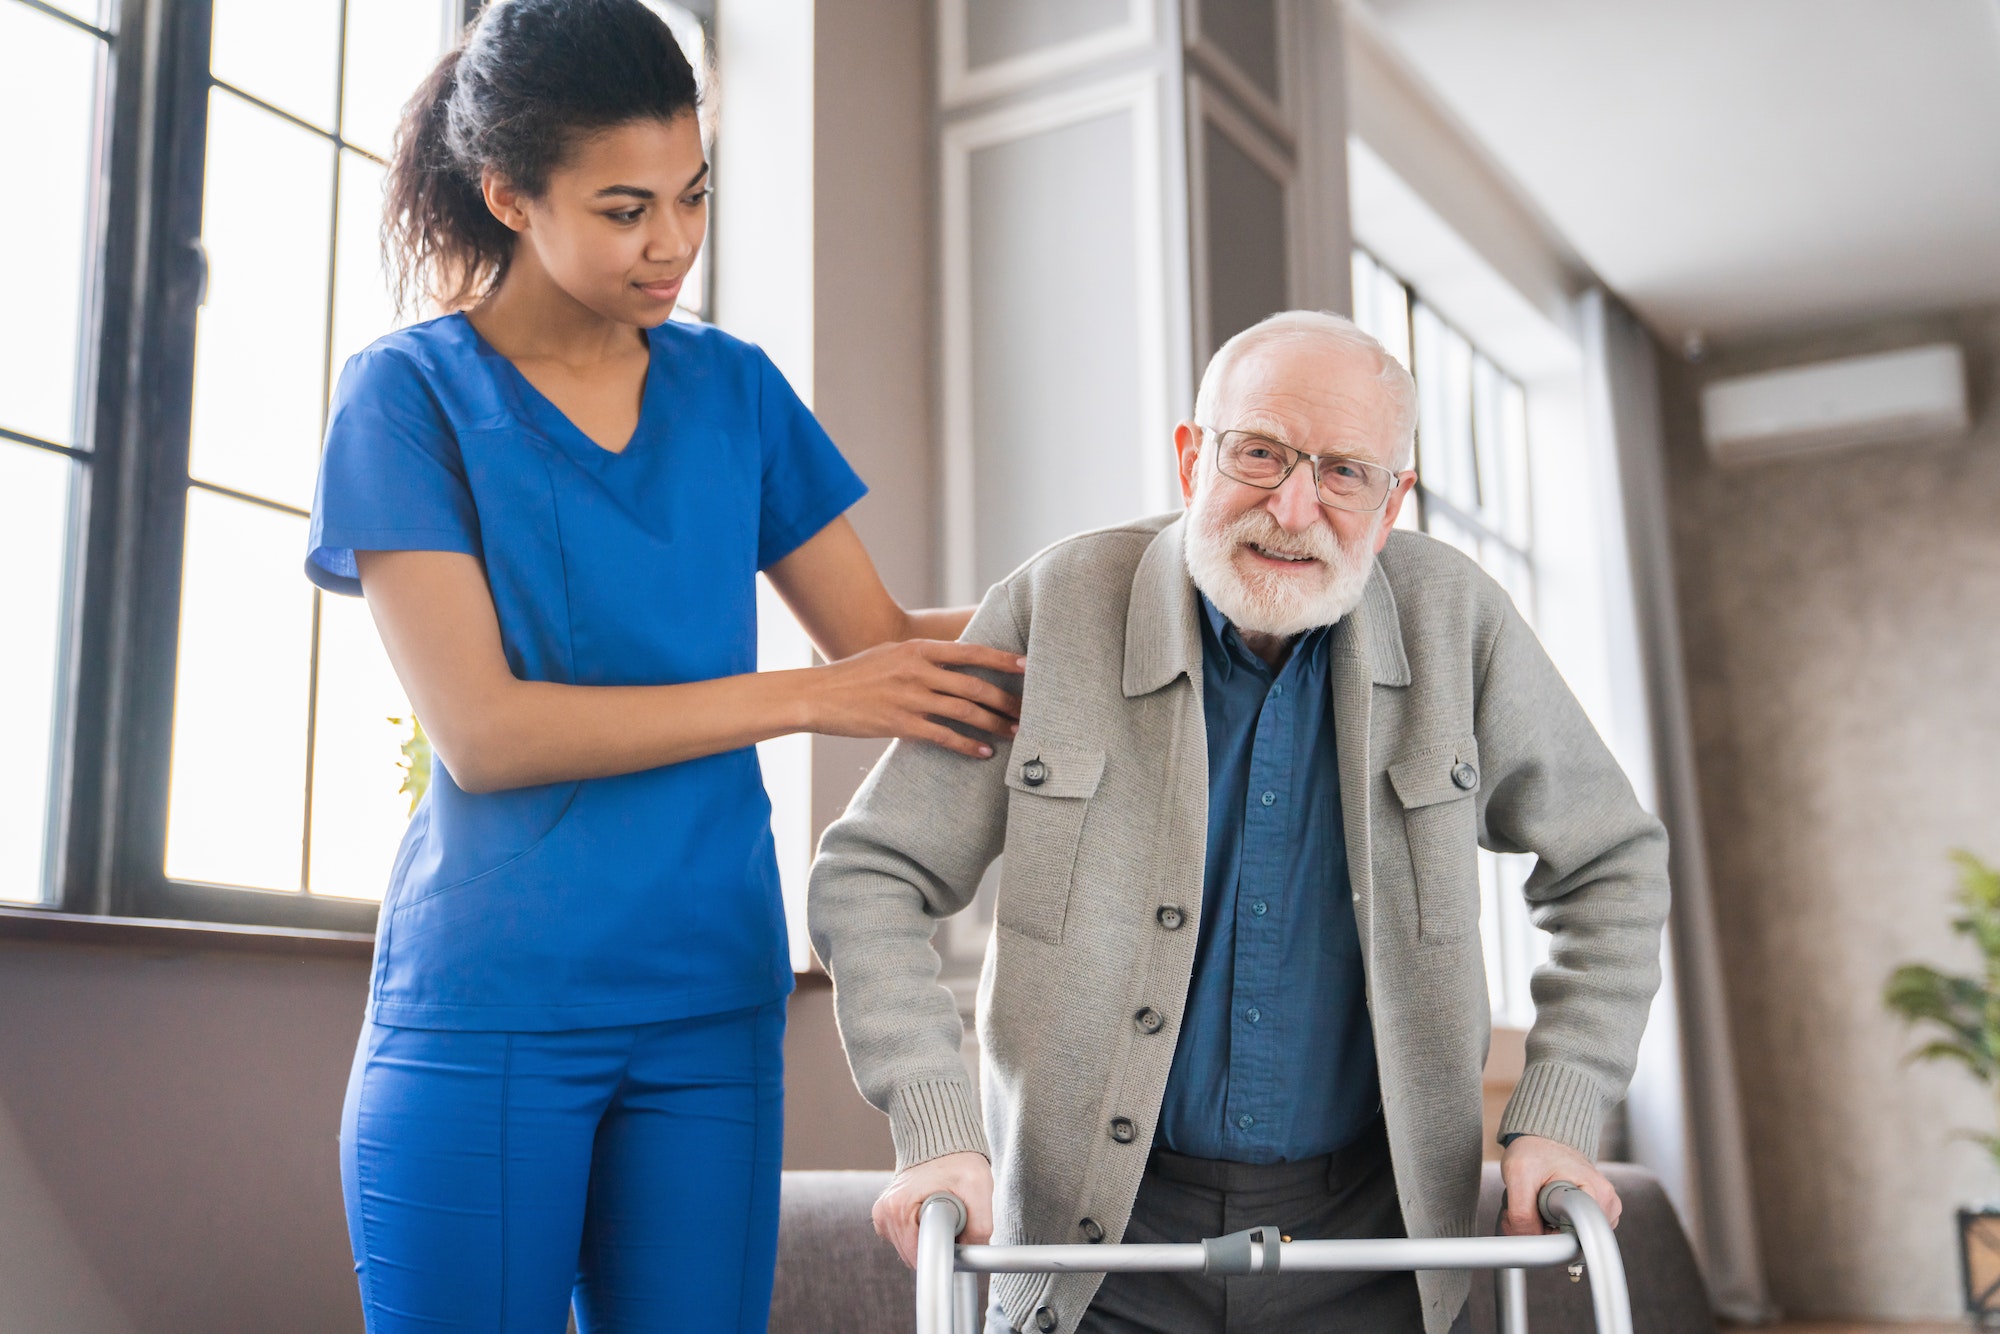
947	1286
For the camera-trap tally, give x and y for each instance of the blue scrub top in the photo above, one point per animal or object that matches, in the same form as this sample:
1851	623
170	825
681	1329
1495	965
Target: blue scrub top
623	900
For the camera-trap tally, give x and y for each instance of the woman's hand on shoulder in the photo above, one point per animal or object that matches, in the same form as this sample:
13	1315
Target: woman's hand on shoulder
913	689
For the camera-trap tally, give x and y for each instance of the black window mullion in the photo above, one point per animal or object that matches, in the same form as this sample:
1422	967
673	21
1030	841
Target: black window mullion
156	435
84	762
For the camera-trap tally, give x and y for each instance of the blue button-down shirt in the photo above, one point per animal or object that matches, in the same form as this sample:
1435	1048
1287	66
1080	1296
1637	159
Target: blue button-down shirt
1276	1060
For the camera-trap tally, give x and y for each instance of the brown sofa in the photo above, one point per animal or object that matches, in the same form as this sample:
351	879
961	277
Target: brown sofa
836	1277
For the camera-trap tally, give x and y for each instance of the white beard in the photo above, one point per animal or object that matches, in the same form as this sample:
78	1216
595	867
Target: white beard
1269	602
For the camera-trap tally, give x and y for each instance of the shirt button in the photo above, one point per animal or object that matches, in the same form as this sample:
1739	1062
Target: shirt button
1245	1121
1034	773
1149	1020
1258	908
1464	775
1122	1130
1093	1231
1171	917
1253	1014
1270	797
1045	1319
1277	690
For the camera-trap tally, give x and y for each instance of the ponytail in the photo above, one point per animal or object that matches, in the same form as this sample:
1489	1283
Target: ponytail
528	78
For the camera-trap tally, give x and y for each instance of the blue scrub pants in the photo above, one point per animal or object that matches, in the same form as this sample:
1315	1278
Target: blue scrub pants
491	1176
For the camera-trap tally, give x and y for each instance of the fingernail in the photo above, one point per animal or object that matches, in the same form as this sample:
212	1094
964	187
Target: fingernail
1013	729
1021	662
985	752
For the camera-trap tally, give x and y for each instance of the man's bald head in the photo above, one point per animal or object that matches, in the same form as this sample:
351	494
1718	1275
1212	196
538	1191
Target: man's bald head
1349	351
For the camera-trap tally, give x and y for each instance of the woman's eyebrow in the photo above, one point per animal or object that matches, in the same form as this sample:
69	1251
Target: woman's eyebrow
636	191
695	179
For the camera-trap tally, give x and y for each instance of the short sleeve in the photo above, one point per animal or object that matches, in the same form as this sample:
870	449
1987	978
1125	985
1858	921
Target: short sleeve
390	477
807	484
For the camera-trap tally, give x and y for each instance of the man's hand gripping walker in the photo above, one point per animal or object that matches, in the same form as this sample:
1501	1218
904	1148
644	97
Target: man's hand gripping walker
948	1292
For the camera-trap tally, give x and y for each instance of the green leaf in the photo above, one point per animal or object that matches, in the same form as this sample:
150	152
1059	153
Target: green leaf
416	761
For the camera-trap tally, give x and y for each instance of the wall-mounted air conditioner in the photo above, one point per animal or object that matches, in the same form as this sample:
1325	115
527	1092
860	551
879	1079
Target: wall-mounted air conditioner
1917	393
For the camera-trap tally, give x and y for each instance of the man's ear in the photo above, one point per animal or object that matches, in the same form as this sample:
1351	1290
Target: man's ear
1187	446
503	200
1392	507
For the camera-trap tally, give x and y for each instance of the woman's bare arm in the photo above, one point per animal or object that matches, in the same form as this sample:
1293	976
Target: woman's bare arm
494	731
832	586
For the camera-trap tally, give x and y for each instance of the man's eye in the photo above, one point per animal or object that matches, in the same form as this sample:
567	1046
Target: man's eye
1342	468
1259	452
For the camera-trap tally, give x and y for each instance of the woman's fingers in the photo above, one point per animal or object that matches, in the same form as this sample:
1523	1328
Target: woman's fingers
958	653
940	735
964	711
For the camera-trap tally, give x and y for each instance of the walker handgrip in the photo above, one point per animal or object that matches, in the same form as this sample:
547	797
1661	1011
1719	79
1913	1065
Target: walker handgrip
1572	1208
957	1205
1542	1203
939	1221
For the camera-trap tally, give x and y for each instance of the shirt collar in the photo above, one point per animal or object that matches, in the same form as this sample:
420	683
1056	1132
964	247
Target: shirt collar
1236	653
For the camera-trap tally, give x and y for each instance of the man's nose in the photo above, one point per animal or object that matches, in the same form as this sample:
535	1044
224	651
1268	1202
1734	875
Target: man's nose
1295	504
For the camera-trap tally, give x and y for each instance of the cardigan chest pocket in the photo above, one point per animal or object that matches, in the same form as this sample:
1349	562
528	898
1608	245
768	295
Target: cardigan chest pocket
1436	787
1050	788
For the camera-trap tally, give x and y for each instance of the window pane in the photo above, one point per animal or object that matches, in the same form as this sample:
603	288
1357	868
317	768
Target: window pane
34	505
48	96
358	813
391	46
236	799
362	308
90	11
284	51
1444	391
260	341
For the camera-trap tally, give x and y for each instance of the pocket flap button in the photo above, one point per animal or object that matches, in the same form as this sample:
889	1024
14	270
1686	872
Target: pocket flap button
1464	775
1034	773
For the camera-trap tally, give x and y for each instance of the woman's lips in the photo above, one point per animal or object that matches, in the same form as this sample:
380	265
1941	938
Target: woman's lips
667	291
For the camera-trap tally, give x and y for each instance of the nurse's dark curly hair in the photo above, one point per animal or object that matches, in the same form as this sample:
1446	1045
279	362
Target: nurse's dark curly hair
529	77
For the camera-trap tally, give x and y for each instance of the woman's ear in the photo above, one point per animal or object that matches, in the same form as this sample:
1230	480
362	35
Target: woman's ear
503	200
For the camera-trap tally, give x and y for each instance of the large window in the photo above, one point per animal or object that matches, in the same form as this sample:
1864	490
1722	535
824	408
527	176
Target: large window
1473	492
189	729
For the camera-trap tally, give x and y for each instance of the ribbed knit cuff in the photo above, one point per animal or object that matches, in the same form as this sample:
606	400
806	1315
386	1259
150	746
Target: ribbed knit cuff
934	1117
1558	1102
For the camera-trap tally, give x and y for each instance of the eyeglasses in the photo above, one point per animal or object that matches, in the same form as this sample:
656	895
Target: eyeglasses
1342	483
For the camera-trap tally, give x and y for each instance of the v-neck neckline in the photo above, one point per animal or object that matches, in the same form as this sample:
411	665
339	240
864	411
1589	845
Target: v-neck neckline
557	424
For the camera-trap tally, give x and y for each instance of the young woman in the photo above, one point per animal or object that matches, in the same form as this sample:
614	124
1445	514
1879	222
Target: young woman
556	504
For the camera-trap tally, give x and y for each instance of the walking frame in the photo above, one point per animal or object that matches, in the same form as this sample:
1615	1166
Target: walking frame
948	1283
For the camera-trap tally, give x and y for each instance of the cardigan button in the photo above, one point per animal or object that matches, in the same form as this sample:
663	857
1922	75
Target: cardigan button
1149	1020
1093	1231
1122	1129
1034	773
1171	917
1045	1319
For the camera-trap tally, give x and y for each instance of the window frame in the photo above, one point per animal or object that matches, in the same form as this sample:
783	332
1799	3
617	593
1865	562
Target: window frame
111	749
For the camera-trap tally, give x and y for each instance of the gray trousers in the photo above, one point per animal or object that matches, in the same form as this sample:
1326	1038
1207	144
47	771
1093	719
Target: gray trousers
1350	1193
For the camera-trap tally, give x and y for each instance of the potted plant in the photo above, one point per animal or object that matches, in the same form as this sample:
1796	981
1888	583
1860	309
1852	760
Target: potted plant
1963	1016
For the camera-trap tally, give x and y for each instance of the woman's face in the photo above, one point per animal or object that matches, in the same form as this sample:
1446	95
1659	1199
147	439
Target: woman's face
621	221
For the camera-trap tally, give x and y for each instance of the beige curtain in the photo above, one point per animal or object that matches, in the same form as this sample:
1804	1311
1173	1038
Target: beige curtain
1706	1166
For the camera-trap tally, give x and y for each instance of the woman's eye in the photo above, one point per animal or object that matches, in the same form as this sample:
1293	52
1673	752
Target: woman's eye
697	199
626	215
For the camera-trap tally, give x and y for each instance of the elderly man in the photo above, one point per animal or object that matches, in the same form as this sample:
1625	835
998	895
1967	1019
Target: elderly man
1235	976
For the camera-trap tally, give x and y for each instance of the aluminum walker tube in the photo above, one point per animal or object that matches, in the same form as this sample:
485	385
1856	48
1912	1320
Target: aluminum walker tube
1586	1235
